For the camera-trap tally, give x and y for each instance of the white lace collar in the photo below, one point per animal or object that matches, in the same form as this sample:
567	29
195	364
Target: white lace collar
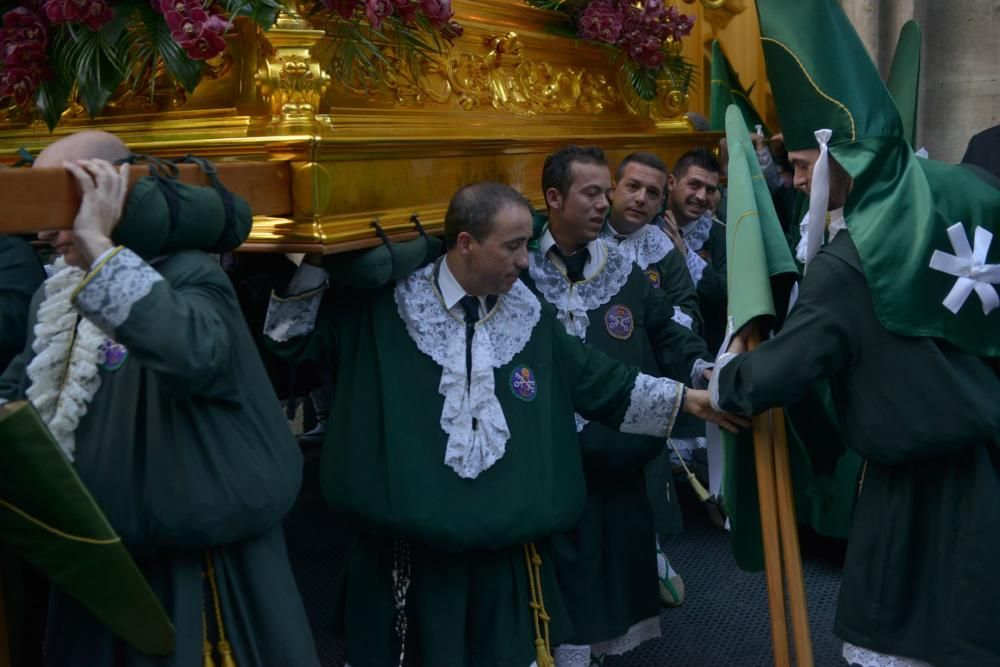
573	300
595	252
63	374
834	225
500	335
647	245
697	232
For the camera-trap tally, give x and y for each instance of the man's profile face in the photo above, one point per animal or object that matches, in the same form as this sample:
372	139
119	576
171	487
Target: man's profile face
583	209
637	198
802	165
691	194
499	259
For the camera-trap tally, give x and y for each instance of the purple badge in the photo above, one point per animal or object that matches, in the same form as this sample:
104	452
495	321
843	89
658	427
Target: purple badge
618	322
654	277
114	355
522	383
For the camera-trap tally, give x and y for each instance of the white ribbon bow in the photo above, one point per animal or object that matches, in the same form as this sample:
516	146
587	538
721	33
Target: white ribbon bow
970	267
819	196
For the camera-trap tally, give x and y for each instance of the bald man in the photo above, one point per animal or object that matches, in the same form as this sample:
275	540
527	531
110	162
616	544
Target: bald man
147	377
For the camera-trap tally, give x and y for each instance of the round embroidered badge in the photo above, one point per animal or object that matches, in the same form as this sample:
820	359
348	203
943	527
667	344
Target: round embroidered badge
654	276
522	383
114	355
618	321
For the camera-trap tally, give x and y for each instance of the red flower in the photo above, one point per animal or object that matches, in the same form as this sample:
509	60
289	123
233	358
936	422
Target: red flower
377	11
91	13
406	9
601	21
438	12
207	46
21	83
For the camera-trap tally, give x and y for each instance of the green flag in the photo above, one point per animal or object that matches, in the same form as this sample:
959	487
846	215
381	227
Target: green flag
727	90
904	78
761	271
50	519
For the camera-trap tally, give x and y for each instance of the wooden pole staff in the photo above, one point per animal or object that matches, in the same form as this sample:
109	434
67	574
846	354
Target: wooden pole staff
779	532
770	533
789	530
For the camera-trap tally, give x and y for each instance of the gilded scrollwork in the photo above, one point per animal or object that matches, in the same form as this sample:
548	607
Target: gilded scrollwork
290	79
503	78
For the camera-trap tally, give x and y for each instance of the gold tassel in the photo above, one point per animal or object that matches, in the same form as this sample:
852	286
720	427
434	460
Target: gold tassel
225	650
699	490
543	648
206	646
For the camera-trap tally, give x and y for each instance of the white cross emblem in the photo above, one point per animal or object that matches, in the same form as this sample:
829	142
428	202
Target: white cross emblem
970	267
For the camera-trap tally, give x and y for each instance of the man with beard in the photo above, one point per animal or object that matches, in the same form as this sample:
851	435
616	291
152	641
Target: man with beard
688	221
606	564
145	373
452	445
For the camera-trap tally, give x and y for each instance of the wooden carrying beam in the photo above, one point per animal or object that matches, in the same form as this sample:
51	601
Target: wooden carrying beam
40	199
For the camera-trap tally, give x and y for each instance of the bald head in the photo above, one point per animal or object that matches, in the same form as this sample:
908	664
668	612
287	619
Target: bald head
87	145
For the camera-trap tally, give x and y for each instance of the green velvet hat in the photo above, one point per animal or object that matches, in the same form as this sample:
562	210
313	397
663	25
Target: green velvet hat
923	229
163	215
727	90
50	519
904	78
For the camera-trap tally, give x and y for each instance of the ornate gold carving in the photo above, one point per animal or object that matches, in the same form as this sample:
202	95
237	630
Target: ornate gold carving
503	78
290	79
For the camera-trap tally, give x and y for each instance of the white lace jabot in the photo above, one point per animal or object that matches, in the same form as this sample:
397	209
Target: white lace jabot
647	245
500	335
573	300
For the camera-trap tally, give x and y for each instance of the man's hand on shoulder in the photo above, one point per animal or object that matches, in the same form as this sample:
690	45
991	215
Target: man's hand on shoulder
104	190
697	403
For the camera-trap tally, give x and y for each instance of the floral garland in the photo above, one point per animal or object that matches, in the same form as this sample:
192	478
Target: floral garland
647	33
54	52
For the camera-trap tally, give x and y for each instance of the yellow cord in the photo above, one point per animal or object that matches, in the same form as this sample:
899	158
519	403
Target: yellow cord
699	490
225	650
543	647
206	646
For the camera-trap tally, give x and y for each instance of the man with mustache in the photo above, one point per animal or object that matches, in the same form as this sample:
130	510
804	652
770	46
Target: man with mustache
452	445
688	221
606	564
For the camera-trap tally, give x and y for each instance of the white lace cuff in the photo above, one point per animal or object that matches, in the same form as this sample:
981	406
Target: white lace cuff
855	655
653	406
292	317
713	385
682	318
698	380
113	286
696	265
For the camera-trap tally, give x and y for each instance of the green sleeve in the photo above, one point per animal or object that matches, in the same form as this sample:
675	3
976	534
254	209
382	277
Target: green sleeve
712	287
303	328
676	283
675	347
175	319
816	342
20	275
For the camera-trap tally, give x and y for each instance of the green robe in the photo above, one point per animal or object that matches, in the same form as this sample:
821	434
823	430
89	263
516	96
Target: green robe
383	466
185	449
20	276
919	579
711	280
607	563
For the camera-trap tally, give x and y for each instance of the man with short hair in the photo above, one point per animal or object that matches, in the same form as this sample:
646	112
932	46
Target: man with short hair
606	564
638	197
145	373
688	221
452	444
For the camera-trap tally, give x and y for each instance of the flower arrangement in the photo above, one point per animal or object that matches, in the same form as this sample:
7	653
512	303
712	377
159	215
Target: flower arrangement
58	51
644	35
54	52
370	37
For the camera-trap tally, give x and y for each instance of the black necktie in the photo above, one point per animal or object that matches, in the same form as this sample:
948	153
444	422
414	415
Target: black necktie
574	263
620	238
470	306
